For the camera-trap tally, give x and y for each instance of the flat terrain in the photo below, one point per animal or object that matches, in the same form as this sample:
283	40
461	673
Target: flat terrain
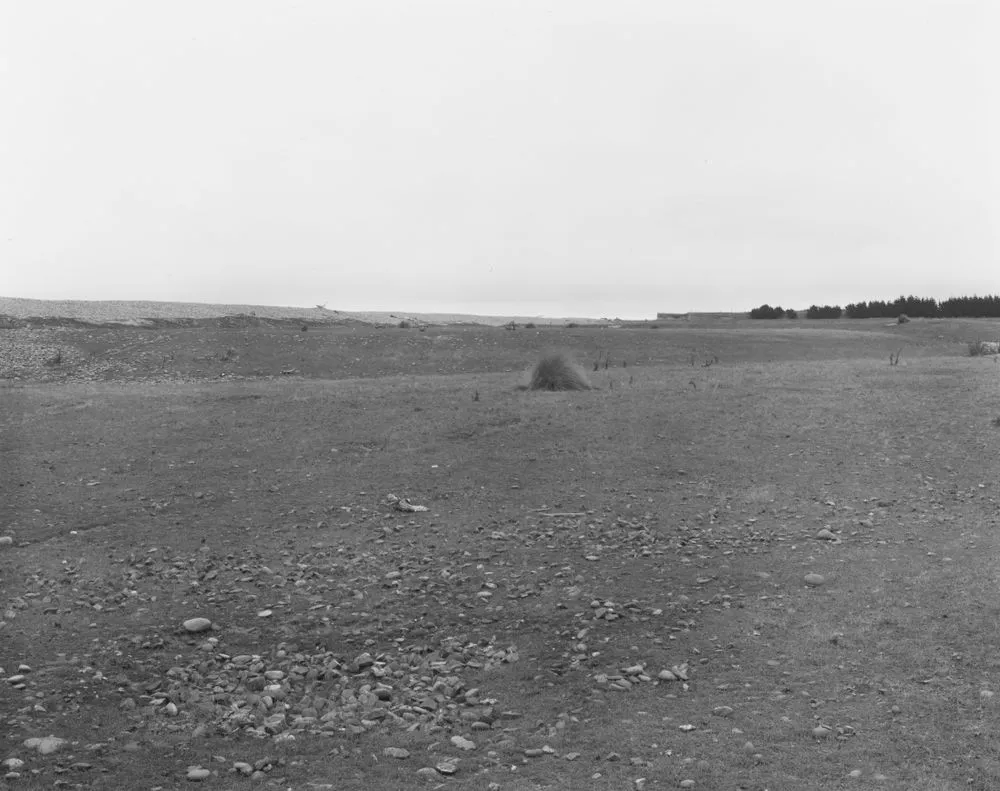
607	589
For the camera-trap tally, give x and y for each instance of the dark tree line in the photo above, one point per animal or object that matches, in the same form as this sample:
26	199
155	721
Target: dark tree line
767	312
914	307
824	312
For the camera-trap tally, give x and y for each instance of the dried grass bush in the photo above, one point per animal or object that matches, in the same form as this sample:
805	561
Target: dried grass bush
557	371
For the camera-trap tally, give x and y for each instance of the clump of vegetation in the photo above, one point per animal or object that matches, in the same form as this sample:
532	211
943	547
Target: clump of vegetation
229	355
55	359
765	311
902	319
791	314
510	325
404	325
558	372
572	325
530	325
979	348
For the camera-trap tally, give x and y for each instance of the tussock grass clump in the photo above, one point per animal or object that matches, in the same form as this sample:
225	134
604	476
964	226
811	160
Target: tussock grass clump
557	371
978	348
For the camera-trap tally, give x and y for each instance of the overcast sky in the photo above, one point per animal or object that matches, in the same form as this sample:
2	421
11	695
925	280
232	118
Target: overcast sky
620	157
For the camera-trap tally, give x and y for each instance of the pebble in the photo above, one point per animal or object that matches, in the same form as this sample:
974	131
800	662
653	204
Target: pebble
722	711
814	579
854	773
462	743
6	541
243	768
12	764
446	767
687	783
195	625
821	732
827	535
196	774
396	752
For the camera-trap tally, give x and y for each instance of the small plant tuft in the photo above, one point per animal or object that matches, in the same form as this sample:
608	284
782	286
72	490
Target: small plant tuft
530	325
558	372
404	325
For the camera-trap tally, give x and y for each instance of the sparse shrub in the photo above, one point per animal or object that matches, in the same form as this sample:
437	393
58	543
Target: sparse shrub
791	314
510	325
404	325
55	359
305	328
572	325
902	318
530	325
558	372
654	326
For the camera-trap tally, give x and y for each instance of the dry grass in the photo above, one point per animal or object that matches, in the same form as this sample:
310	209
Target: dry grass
557	371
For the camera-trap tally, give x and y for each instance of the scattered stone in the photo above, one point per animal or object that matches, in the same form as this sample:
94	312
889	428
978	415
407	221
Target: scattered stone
12	764
854	773
462	743
814	579
827	535
666	675
243	768
195	625
6	541
723	711
396	752
534	752
821	731
196	774
45	745
446	767
687	783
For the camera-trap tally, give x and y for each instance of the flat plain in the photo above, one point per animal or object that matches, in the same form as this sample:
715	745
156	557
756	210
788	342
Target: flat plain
754	556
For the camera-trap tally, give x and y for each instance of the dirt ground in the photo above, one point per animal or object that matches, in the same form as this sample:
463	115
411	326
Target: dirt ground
626	587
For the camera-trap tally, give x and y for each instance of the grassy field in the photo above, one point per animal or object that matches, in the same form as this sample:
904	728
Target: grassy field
608	589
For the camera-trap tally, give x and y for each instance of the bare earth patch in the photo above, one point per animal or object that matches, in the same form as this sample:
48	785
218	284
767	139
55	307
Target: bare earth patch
775	571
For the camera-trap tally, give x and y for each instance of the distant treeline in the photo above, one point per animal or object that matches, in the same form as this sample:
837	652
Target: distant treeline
767	312
914	307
